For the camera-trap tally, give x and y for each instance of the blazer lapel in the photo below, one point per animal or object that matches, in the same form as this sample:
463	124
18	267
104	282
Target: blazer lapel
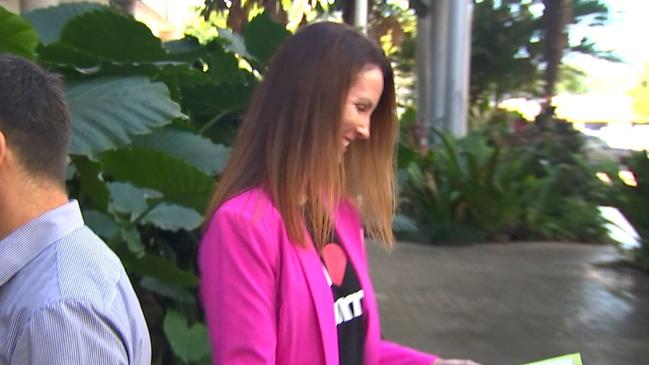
351	237
322	299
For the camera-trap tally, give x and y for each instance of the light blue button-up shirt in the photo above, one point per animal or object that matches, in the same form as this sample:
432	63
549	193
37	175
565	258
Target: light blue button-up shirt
65	297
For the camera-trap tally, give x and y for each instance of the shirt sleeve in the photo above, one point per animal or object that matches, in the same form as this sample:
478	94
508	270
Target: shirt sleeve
69	332
238	267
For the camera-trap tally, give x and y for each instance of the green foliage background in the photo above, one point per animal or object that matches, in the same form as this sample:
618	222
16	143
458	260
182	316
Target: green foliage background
152	124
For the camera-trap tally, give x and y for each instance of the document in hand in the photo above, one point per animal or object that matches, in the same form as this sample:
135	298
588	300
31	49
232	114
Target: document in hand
572	359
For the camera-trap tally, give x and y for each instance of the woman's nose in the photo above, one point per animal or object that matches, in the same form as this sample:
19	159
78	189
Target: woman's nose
363	130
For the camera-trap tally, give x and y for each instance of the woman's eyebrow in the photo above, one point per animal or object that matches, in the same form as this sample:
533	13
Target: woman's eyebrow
364	100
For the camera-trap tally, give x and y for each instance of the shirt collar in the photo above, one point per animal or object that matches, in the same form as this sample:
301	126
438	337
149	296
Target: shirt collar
25	243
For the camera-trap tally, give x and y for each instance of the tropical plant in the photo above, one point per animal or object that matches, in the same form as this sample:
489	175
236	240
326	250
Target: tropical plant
517	51
16	35
632	199
462	191
152	123
565	200
237	13
509	180
556	15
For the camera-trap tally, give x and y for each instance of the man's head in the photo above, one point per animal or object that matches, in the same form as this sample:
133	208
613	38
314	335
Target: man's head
34	119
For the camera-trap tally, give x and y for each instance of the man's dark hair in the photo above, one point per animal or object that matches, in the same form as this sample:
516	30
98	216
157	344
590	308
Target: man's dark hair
34	117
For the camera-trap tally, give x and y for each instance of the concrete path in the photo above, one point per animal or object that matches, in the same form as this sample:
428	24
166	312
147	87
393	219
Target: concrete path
508	304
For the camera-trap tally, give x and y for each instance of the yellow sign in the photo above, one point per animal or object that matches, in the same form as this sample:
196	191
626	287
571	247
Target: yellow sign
572	359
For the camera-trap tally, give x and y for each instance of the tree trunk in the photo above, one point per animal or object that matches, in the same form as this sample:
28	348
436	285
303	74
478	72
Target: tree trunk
556	16
348	11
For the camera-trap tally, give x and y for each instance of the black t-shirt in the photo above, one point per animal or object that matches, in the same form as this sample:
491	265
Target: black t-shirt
348	308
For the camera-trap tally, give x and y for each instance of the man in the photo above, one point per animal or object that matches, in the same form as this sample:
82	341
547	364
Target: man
64	295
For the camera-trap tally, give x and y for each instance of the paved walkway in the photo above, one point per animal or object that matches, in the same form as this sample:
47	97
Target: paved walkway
507	304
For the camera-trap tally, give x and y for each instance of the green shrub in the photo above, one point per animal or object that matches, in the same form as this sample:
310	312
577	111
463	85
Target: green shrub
461	191
534	181
633	201
566	199
152	123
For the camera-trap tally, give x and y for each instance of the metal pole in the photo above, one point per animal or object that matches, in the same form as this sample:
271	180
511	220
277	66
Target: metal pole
459	48
440	63
424	83
360	15
432	68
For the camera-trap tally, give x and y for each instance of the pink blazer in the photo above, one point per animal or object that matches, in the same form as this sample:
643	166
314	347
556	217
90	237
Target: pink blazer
267	301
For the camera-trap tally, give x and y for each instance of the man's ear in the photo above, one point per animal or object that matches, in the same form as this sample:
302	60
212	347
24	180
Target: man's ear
3	149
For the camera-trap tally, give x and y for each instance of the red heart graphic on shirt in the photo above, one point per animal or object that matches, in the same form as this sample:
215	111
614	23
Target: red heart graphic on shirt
335	261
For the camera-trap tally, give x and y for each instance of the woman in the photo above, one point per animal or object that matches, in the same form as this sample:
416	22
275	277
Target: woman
283	266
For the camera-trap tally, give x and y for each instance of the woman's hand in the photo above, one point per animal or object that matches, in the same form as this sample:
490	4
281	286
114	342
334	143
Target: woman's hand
454	362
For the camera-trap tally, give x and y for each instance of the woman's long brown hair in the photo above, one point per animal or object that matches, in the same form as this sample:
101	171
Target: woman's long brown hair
290	141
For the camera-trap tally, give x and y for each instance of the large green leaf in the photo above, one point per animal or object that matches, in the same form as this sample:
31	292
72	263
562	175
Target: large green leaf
92	188
209	100
49	22
185	46
175	292
64	54
175	75
16	35
262	36
159	268
187	49
130	200
192	148
100	223
112	36
223	66
131	236
178	181
190	344
233	42
171	217
108	113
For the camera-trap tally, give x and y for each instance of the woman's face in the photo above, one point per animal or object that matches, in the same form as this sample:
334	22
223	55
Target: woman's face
362	99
